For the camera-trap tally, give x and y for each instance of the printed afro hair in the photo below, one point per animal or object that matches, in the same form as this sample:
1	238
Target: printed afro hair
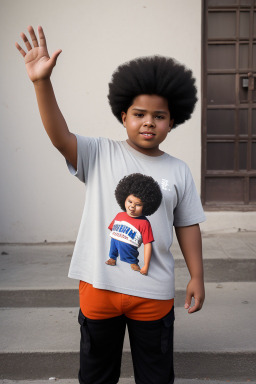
154	75
141	186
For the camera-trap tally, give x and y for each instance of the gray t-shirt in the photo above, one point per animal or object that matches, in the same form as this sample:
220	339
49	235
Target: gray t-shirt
101	164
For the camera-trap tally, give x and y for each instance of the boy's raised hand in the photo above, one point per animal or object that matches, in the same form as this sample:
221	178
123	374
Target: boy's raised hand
38	63
39	66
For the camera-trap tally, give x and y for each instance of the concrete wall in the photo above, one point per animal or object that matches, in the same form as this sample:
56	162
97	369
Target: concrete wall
39	199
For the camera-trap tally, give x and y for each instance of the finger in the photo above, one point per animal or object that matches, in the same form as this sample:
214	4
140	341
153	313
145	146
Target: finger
33	36
55	56
20	49
196	307
27	43
42	39
187	301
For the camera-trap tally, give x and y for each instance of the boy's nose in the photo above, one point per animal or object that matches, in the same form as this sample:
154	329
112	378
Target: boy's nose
149	123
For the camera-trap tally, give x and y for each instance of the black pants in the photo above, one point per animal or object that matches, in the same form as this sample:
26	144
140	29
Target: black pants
102	344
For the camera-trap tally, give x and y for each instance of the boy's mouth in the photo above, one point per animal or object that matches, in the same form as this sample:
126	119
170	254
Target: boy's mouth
147	134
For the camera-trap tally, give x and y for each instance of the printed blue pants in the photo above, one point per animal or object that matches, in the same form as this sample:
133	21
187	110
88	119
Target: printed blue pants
127	252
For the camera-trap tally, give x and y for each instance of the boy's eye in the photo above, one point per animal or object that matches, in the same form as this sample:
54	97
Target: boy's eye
139	114
159	117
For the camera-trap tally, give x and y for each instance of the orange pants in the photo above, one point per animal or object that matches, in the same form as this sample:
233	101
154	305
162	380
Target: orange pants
99	304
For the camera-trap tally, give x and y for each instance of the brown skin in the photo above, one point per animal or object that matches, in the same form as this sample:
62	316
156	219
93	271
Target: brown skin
147	122
39	66
149	113
147	257
190	242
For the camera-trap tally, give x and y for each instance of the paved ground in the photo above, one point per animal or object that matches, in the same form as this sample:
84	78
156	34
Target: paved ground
36	298
122	381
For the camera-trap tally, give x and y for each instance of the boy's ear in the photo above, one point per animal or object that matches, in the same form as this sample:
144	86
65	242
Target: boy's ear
123	115
171	124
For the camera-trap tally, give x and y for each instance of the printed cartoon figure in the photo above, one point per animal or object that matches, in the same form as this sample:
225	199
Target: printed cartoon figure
139	196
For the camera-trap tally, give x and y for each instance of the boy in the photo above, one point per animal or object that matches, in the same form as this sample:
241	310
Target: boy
139	196
149	96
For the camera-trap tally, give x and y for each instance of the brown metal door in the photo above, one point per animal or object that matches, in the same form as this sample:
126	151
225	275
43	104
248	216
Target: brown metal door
229	105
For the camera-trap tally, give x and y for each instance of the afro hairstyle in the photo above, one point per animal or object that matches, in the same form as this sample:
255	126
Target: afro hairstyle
154	75
141	186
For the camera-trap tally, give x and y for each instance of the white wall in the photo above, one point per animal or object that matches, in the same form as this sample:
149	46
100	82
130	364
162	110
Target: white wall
39	199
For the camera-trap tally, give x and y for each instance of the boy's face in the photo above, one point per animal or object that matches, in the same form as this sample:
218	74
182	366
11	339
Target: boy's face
147	122
133	206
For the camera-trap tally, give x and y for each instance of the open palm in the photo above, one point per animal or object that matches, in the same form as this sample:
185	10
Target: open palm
38	63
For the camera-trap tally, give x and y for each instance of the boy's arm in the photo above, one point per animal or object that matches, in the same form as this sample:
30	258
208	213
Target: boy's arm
190	242
147	257
39	66
54	122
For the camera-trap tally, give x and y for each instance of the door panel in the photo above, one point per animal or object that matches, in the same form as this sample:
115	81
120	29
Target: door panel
254	122
221	122
222	25
243	122
222	56
221	89
221	156
244	25
221	189
253	190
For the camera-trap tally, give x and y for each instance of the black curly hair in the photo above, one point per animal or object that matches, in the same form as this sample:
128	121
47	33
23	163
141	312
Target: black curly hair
141	186
154	75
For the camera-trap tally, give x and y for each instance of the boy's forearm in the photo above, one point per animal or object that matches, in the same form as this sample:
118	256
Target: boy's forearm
52	118
147	257
190	242
147	254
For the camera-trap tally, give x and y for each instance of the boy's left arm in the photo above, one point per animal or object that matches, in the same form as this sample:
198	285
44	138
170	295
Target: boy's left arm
190	242
147	257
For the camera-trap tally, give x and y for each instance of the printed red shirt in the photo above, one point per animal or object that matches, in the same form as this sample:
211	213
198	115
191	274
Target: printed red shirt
131	230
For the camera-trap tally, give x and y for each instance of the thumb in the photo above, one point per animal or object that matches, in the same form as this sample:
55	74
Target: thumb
55	56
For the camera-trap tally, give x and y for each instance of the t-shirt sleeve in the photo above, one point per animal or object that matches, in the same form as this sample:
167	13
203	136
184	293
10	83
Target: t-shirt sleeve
111	224
87	148
189	210
147	234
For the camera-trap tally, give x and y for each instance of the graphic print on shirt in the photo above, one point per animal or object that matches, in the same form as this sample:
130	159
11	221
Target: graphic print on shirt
165	185
126	232
127	235
137	195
